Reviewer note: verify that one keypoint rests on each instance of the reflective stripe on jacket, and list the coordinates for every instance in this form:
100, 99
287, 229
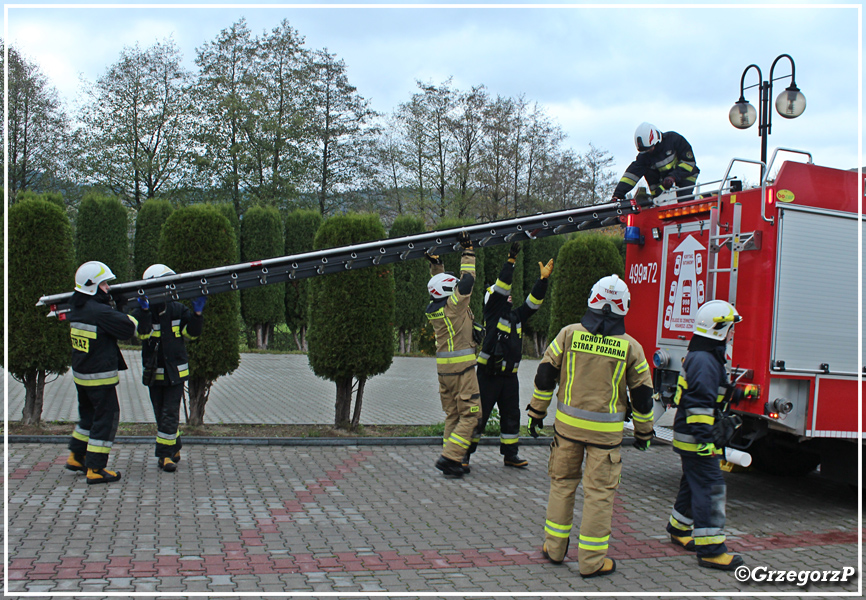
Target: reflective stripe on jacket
700, 388
502, 347
95, 328
595, 374
174, 323
672, 157
451, 319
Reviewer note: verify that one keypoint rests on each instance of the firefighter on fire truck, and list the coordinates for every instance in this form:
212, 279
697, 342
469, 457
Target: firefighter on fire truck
698, 516
664, 160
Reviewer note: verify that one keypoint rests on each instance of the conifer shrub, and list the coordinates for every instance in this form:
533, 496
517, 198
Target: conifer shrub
40, 263
262, 238
583, 260
201, 237
351, 334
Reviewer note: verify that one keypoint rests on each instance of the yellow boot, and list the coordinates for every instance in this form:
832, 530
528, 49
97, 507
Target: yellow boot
608, 566
167, 464
75, 462
686, 542
725, 562
102, 476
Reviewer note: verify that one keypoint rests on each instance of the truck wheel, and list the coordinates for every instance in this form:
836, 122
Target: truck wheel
774, 458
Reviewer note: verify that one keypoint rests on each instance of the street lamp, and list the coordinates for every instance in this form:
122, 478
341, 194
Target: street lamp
790, 104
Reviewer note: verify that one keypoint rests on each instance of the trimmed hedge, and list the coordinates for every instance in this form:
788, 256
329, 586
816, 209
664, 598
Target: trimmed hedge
582, 261
301, 228
148, 229
201, 237
40, 263
351, 315
410, 281
261, 238
102, 233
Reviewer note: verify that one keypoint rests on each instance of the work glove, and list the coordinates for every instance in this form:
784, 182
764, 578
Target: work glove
514, 251
143, 302
433, 258
198, 304
751, 391
463, 239
535, 423
547, 269
708, 450
669, 182
642, 445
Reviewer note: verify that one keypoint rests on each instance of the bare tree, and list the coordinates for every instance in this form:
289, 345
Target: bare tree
38, 128
277, 115
467, 127
599, 178
222, 96
135, 134
342, 133
495, 174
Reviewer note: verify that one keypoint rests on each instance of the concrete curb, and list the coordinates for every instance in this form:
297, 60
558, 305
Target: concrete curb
323, 441
253, 441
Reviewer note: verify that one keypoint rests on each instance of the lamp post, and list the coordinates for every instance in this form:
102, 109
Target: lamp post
790, 104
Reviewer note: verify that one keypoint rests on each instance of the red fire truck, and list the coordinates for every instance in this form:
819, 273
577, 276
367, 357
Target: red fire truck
786, 255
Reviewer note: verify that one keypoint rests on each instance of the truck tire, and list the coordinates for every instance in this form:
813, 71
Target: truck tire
774, 456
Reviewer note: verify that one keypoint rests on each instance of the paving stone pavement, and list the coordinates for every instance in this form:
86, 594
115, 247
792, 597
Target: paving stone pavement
276, 388
360, 520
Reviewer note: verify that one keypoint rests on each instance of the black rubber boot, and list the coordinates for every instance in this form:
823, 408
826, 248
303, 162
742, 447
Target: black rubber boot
450, 467
515, 461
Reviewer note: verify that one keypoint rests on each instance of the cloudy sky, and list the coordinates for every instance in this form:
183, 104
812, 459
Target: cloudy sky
598, 70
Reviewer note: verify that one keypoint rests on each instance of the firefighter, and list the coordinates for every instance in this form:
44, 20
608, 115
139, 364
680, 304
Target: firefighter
698, 515
95, 328
594, 362
162, 328
451, 319
500, 356
664, 160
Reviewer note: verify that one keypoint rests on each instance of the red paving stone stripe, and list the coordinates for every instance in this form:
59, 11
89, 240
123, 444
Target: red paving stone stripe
347, 562
626, 543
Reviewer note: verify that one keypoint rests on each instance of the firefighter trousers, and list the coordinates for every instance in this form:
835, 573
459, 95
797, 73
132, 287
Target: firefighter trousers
504, 391
166, 408
462, 405
699, 509
98, 416
601, 469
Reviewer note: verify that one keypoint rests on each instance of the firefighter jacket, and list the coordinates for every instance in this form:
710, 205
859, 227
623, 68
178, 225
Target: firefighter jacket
672, 157
163, 352
502, 347
95, 328
451, 319
594, 372
700, 390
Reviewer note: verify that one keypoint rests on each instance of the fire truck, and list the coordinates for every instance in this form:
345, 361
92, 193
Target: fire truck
785, 253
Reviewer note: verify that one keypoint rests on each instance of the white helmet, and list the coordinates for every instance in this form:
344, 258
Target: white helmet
90, 275
715, 318
157, 270
646, 136
441, 285
610, 291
